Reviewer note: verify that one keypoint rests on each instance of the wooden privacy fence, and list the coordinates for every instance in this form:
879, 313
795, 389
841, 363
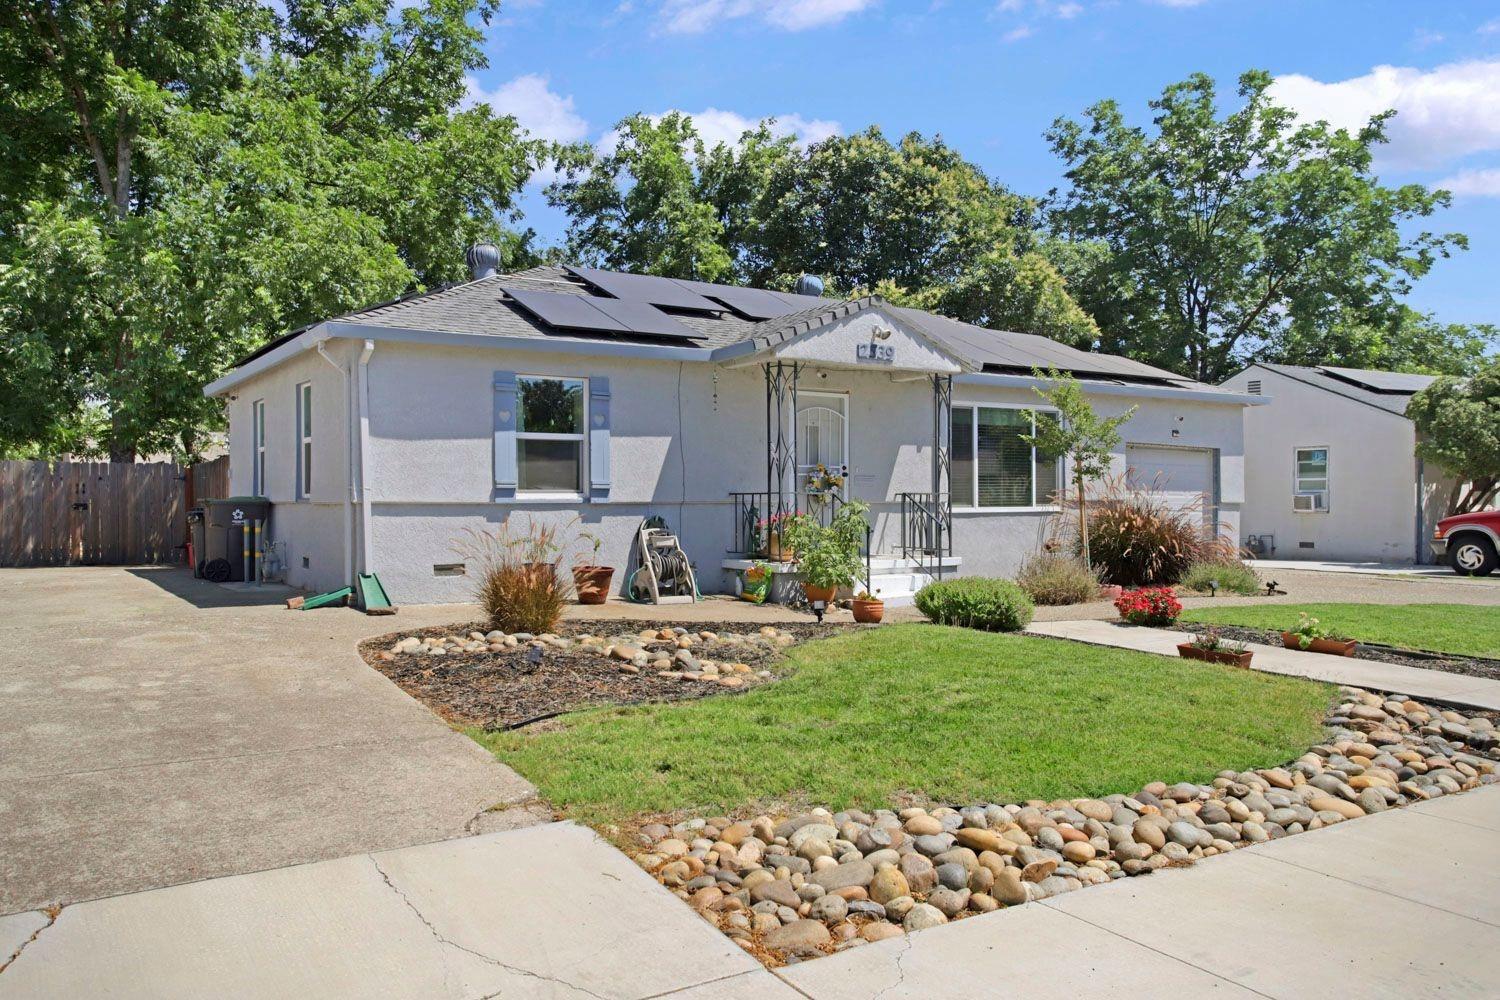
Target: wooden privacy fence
99, 513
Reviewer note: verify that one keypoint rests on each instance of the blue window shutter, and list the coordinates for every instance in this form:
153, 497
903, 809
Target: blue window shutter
505, 434
598, 438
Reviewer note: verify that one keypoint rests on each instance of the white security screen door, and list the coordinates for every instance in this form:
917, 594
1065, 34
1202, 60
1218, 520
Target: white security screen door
822, 435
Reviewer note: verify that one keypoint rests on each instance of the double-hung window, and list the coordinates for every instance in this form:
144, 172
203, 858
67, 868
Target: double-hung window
550, 424
258, 447
304, 441
1310, 480
993, 466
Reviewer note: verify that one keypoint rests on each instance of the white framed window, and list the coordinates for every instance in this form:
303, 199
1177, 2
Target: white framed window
993, 467
258, 448
304, 441
551, 421
1310, 480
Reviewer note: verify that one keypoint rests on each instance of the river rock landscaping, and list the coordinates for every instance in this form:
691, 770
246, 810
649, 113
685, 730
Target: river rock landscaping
789, 888
473, 676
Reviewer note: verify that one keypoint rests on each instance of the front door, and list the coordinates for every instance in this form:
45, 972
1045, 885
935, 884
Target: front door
822, 447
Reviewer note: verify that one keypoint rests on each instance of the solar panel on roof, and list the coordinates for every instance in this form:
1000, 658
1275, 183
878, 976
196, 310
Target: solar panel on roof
1398, 382
646, 288
599, 315
565, 312
642, 318
754, 303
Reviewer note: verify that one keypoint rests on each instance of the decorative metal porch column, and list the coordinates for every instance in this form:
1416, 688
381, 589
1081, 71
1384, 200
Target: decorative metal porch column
942, 466
781, 436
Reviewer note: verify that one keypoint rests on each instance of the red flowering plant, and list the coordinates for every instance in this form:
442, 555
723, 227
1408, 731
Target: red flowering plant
1149, 606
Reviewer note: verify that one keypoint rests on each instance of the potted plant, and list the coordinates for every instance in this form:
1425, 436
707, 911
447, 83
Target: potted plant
828, 555
1213, 648
868, 610
772, 538
1313, 637
590, 579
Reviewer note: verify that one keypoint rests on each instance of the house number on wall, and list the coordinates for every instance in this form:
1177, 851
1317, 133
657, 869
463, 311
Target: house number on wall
875, 352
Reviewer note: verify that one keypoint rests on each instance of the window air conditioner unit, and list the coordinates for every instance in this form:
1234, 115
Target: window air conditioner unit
1310, 502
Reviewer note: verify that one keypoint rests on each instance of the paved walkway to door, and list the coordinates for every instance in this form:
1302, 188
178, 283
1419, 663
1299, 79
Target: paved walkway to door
155, 729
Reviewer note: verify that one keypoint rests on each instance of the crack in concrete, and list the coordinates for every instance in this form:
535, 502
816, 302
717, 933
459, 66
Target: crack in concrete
906, 944
449, 942
52, 913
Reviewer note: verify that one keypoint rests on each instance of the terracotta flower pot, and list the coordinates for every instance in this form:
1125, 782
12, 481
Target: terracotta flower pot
1188, 651
868, 612
824, 594
1333, 647
592, 583
1110, 592
777, 552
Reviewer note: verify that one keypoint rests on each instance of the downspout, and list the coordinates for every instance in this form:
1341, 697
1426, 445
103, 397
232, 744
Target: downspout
364, 453
349, 494
1421, 513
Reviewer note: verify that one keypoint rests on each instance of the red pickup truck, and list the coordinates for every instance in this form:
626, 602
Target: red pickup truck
1469, 542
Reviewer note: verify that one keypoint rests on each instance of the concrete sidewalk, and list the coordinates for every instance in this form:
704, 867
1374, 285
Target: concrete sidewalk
1400, 904
1414, 681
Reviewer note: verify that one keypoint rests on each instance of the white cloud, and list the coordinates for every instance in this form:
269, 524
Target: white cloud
543, 113
1477, 183
1016, 34
1443, 114
1180, 3
689, 17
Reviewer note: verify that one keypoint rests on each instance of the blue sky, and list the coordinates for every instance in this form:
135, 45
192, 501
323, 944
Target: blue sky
991, 75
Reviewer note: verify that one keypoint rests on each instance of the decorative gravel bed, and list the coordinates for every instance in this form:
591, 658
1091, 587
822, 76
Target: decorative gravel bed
477, 677
1451, 663
788, 888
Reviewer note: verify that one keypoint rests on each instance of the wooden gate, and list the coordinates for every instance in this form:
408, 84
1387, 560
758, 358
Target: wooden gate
95, 513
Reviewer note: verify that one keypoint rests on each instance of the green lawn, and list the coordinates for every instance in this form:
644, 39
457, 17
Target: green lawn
951, 714
1450, 628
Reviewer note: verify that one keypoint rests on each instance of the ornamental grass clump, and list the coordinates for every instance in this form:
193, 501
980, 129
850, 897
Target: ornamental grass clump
1234, 577
1140, 538
520, 583
1057, 578
985, 603
1149, 606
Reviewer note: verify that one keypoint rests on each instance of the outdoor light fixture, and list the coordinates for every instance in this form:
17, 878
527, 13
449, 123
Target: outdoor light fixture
818, 607
1213, 588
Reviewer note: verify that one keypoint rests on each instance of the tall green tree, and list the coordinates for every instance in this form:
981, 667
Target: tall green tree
180, 179
1235, 236
910, 219
1458, 428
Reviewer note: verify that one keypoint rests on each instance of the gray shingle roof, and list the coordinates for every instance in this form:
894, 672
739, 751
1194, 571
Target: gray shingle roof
1358, 384
482, 308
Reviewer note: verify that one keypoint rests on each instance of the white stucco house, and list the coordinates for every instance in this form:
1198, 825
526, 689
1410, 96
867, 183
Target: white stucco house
1331, 468
381, 435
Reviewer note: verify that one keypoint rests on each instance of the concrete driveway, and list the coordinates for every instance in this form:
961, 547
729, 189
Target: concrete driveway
156, 730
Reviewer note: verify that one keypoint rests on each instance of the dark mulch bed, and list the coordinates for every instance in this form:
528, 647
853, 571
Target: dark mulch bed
1448, 663
505, 690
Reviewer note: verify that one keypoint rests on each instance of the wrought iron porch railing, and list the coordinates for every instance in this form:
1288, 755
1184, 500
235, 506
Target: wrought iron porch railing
759, 519
927, 530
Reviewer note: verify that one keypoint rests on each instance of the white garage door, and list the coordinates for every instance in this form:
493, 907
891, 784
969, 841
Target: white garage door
1184, 476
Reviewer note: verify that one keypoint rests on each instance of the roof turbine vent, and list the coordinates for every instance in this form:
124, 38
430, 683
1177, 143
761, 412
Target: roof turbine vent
483, 260
809, 284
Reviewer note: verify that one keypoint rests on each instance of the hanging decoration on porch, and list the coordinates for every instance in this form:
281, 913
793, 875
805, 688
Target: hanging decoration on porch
821, 483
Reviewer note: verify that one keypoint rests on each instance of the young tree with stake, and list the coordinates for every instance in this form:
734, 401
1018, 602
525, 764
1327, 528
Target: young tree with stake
1078, 434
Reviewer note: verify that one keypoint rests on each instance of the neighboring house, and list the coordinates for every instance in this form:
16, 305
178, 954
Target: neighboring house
382, 435
1331, 470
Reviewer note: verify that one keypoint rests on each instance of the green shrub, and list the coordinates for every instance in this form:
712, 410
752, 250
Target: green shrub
976, 602
1056, 578
1235, 577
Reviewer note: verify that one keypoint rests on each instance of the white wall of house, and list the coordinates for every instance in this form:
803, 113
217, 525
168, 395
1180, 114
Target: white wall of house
683, 437
1372, 502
